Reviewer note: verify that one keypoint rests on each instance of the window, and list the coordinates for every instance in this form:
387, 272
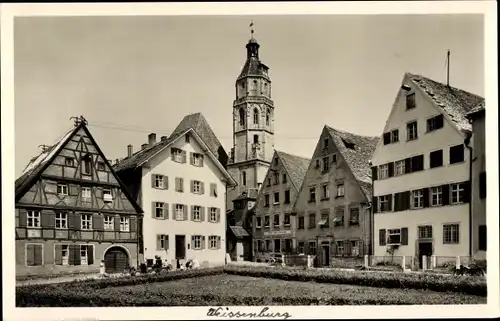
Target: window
34, 254
400, 168
276, 178
242, 116
276, 198
334, 158
266, 200
197, 187
212, 241
410, 101
425, 232
179, 212
159, 210
436, 158
457, 193
197, 159
64, 250
312, 220
213, 214
312, 248
197, 242
300, 247
325, 143
266, 221
260, 246
456, 154
61, 220
394, 236
340, 247
101, 166
86, 164
354, 219
436, 196
277, 245
255, 139
276, 220
244, 178
301, 223
415, 164
384, 203
482, 185
177, 155
325, 218
33, 219
179, 184
312, 194
411, 131
258, 222
108, 223
338, 220
317, 163
159, 181
268, 116
86, 193
325, 164
106, 194
286, 222
86, 221
62, 189
276, 161
69, 161
325, 192
163, 241
383, 171
85, 253
340, 190
196, 213
268, 245
451, 234
482, 237
418, 199
287, 197
187, 138
255, 116
284, 179
124, 224
434, 123
269, 181
391, 137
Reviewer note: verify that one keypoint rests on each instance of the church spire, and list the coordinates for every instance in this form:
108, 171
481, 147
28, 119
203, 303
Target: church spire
252, 46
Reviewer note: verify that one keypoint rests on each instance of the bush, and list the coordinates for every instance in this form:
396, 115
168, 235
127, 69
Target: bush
432, 282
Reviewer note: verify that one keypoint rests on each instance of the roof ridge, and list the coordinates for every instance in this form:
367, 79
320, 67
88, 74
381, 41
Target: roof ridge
351, 133
293, 155
443, 84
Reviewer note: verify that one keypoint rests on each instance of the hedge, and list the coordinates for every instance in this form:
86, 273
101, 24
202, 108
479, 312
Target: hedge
432, 282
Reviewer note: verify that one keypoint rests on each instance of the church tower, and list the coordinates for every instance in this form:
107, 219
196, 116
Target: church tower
253, 126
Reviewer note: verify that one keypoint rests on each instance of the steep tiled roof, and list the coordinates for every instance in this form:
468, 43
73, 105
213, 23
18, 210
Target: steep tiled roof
253, 67
296, 167
479, 108
456, 103
357, 152
251, 193
239, 231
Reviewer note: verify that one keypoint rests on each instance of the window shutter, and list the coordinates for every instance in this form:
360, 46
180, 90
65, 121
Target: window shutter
77, 260
58, 254
165, 211
202, 158
439, 121
158, 242
153, 209
153, 180
407, 200
397, 202
90, 254
218, 242
381, 237
181, 183
408, 165
98, 222
191, 159
467, 191
426, 197
218, 215
30, 254
165, 182
212, 189
74, 221
446, 194
404, 236
48, 219
192, 242
203, 242
202, 213
117, 223
374, 173
192, 186
177, 184
389, 202
391, 169
375, 204
133, 224
387, 138
38, 258
482, 185
166, 242
192, 212
184, 208
202, 187
23, 217
183, 156
73, 190
347, 248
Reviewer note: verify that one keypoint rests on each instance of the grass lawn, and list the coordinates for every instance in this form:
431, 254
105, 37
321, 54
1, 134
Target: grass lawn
274, 291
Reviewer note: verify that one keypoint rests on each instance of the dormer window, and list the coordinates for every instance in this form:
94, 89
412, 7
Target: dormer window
348, 144
410, 101
86, 164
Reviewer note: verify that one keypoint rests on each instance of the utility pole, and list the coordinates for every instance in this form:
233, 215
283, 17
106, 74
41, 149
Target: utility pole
448, 68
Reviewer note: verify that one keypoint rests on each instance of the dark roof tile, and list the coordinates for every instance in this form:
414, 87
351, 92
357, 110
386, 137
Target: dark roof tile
296, 167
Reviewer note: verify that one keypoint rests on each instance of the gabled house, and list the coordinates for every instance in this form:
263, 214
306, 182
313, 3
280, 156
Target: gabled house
273, 226
477, 118
72, 211
421, 173
181, 185
333, 206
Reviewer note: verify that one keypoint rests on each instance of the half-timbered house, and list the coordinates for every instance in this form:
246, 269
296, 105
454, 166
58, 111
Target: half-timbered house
72, 211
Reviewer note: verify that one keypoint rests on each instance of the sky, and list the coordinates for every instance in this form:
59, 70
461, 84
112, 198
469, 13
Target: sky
131, 76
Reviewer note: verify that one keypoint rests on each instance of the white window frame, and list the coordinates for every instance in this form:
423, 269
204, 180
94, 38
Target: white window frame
393, 232
105, 192
417, 199
61, 219
197, 242
340, 190
383, 199
159, 209
62, 189
412, 132
124, 224
35, 217
274, 198
212, 241
163, 241
393, 140
325, 192
340, 247
84, 259
312, 194
355, 246
177, 155
383, 171
86, 222
456, 190
425, 232
109, 222
326, 164
351, 220
454, 230
399, 168
179, 212
64, 258
197, 159
213, 214
289, 219
86, 192
196, 187
436, 193
196, 212
159, 181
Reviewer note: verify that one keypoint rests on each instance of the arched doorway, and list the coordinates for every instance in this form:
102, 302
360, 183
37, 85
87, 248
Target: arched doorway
116, 260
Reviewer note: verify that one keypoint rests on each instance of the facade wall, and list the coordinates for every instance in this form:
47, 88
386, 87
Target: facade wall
427, 142
163, 164
478, 167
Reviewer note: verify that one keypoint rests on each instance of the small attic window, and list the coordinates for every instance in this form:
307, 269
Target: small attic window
86, 164
187, 138
406, 87
348, 144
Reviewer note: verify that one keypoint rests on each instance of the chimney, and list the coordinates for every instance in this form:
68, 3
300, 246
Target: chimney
144, 146
130, 150
117, 161
152, 139
163, 138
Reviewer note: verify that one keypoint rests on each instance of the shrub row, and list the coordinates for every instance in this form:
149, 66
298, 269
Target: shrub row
432, 282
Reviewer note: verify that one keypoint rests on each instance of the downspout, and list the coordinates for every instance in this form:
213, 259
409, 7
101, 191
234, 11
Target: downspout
467, 142
371, 218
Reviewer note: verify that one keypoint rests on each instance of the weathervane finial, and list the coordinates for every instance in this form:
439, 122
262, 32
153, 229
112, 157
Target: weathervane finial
251, 28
